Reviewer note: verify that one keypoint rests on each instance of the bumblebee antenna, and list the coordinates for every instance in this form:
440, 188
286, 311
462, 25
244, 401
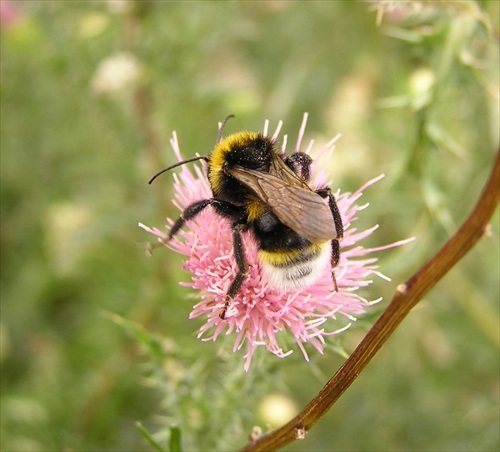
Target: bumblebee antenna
221, 128
176, 165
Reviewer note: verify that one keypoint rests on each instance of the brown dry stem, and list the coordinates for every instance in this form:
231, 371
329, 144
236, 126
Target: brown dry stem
405, 298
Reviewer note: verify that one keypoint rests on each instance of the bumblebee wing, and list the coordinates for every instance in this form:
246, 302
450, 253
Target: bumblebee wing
297, 207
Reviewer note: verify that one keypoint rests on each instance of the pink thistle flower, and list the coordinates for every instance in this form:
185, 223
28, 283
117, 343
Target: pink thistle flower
260, 315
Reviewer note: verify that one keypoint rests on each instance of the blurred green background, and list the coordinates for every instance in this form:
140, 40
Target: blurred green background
95, 336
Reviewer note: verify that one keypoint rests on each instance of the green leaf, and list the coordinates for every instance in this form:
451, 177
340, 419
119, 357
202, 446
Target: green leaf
174, 444
143, 337
149, 438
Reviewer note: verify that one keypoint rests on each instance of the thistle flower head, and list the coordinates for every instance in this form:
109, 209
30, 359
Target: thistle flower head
259, 315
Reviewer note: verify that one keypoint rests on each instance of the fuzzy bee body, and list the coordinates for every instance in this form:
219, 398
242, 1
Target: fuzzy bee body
297, 229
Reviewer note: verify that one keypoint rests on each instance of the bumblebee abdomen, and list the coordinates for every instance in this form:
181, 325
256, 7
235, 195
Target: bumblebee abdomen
294, 269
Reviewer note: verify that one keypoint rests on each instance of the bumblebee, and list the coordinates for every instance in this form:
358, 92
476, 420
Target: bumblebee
262, 191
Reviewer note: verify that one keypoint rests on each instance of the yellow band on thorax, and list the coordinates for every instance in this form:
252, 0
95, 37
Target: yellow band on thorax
219, 155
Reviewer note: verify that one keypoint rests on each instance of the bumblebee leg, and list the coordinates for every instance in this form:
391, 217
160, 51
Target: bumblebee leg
238, 215
223, 208
300, 164
337, 219
241, 262
335, 261
339, 227
188, 214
